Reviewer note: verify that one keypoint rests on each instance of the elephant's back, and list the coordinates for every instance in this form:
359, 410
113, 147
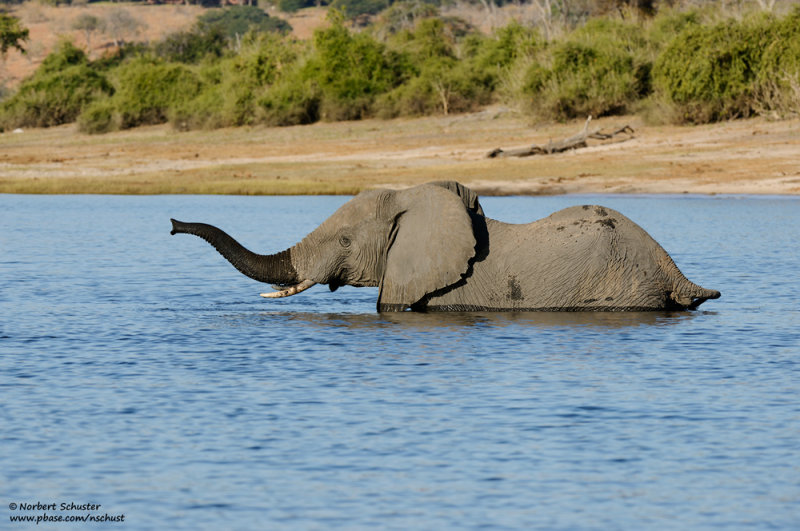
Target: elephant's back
578, 227
581, 257
589, 225
585, 214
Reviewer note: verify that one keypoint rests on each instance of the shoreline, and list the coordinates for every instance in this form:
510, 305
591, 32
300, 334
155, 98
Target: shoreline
743, 157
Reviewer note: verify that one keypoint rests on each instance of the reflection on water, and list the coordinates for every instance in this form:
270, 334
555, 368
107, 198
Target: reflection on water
143, 373
437, 320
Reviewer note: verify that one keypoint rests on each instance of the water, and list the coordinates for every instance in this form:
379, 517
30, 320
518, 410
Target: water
141, 372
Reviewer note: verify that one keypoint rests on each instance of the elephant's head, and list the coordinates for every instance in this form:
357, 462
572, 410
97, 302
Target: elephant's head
410, 242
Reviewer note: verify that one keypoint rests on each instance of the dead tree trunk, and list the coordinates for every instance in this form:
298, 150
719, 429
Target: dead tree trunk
574, 142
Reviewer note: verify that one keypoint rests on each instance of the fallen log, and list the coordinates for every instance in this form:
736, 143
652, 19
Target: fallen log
574, 142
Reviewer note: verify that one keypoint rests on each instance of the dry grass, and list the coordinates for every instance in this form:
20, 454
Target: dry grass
748, 156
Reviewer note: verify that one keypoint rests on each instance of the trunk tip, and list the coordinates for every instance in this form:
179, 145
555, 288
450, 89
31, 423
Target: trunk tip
175, 226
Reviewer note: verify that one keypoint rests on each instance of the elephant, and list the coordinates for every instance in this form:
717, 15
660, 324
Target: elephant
431, 248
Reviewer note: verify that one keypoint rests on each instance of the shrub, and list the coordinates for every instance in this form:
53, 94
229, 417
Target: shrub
402, 16
148, 89
233, 87
444, 77
496, 61
708, 73
291, 6
430, 38
355, 8
192, 46
293, 101
203, 112
66, 55
442, 86
594, 71
214, 32
58, 91
238, 20
777, 84
507, 46
12, 34
99, 117
350, 71
669, 23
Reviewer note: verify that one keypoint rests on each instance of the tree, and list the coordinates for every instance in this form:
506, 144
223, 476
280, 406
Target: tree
192, 46
355, 8
12, 34
122, 24
235, 21
291, 6
404, 16
88, 24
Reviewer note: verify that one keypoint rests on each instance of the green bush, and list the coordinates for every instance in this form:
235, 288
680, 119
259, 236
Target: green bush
402, 16
430, 38
777, 84
291, 6
99, 117
203, 112
147, 89
293, 101
59, 90
355, 8
216, 31
444, 77
669, 23
12, 34
507, 46
234, 86
694, 72
237, 20
351, 71
602, 68
442, 87
708, 73
66, 55
192, 46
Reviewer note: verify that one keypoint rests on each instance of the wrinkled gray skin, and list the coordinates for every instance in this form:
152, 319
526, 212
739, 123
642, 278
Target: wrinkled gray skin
430, 248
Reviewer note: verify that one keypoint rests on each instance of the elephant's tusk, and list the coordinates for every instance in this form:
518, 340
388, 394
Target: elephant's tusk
291, 290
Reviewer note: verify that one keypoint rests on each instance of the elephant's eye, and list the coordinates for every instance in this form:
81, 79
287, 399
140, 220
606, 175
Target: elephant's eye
344, 241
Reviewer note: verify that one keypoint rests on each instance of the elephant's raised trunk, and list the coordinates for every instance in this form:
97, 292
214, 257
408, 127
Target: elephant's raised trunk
273, 269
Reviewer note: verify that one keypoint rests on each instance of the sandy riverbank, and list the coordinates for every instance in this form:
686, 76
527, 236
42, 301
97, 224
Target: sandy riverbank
740, 157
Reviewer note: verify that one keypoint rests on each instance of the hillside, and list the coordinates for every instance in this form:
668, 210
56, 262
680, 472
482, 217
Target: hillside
48, 24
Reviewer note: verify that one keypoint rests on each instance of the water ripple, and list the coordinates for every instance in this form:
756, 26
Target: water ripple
161, 386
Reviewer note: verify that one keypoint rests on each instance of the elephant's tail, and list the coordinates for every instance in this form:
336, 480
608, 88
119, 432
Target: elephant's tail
689, 295
684, 293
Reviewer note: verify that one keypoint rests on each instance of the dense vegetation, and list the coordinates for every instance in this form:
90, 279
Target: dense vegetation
239, 67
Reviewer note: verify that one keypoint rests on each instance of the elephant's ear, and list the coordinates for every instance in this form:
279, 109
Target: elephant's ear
467, 195
430, 248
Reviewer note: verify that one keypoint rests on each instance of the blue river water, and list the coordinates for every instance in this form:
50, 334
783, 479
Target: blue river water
140, 372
